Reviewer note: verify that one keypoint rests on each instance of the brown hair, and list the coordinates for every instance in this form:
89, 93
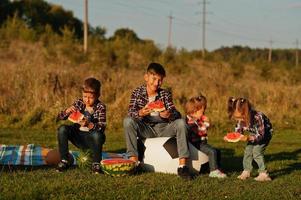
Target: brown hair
240, 107
195, 103
156, 68
92, 85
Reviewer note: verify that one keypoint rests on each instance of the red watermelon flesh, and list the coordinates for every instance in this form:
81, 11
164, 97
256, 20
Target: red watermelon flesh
156, 106
76, 117
234, 137
116, 161
118, 166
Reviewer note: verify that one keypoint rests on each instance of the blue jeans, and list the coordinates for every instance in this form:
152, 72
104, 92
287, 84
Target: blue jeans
214, 155
92, 140
254, 152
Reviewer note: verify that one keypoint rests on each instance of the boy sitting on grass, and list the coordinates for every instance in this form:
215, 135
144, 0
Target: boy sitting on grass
89, 133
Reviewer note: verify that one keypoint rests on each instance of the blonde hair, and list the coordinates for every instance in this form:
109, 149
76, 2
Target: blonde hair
195, 103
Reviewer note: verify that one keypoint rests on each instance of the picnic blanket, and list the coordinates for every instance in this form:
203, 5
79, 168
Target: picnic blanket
34, 155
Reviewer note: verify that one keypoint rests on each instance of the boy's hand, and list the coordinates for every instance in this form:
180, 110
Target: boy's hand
90, 125
71, 109
165, 114
84, 122
144, 111
251, 138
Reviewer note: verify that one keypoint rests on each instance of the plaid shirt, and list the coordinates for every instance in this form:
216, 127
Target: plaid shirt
197, 128
260, 127
98, 116
139, 99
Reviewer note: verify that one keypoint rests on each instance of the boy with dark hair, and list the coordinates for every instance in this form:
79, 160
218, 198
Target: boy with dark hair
143, 122
89, 132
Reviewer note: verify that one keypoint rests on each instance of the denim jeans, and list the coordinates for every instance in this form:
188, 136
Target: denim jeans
214, 155
134, 128
92, 140
254, 152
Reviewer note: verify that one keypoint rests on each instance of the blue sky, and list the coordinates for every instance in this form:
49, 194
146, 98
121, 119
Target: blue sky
251, 23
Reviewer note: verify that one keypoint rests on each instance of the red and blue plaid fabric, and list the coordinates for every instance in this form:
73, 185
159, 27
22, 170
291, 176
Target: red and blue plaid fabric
30, 155
33, 155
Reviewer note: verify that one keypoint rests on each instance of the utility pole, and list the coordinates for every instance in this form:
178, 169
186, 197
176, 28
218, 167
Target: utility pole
204, 29
86, 26
270, 51
170, 17
297, 52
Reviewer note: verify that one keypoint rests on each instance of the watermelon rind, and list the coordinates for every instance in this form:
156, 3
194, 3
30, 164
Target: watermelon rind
118, 169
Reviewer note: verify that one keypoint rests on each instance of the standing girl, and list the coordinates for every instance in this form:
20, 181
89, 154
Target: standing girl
260, 129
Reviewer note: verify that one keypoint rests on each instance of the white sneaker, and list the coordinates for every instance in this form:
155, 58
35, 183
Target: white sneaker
217, 174
263, 176
244, 175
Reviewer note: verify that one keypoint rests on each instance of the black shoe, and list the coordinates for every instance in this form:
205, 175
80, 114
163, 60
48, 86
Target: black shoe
139, 169
183, 172
63, 166
96, 169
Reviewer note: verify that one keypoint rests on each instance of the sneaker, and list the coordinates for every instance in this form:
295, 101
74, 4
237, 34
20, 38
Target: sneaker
217, 174
183, 172
96, 169
244, 175
63, 166
263, 176
139, 168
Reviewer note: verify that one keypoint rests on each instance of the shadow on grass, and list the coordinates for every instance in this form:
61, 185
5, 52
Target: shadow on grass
285, 156
13, 168
231, 163
122, 150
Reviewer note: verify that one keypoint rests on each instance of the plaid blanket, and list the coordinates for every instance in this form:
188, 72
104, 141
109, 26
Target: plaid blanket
33, 155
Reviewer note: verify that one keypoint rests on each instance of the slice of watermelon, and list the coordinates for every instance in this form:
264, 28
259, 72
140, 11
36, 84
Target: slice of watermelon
76, 117
118, 166
156, 106
234, 137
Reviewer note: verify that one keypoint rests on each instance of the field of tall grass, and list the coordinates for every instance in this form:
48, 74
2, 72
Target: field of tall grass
37, 81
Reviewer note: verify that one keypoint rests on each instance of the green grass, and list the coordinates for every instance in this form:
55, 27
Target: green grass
283, 158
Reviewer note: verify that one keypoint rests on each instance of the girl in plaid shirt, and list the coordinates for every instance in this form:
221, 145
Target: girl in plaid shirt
198, 125
89, 133
260, 129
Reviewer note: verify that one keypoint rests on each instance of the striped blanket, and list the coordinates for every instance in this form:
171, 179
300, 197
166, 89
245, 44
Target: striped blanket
34, 155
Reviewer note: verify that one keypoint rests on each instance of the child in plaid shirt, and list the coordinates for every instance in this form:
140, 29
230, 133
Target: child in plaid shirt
90, 132
142, 122
198, 125
260, 129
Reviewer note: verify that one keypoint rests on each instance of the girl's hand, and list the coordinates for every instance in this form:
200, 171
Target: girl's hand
71, 109
165, 114
251, 138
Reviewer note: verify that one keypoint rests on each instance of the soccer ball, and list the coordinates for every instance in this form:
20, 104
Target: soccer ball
161, 155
